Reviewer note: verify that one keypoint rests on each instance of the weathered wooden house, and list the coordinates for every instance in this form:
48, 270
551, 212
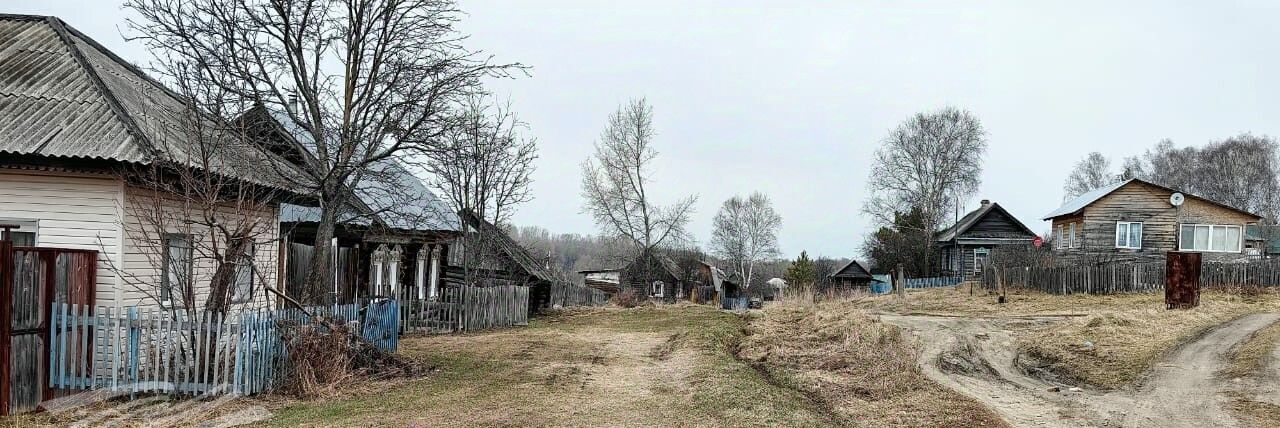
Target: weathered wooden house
713, 285
653, 275
851, 276
1136, 220
964, 247
391, 241
503, 262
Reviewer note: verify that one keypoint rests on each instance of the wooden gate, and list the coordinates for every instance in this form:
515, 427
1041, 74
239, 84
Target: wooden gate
31, 279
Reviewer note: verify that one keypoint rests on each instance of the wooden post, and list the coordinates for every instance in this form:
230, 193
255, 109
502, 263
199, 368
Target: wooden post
902, 283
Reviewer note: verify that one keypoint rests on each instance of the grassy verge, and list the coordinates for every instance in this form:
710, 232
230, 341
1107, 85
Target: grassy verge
1251, 356
1106, 341
863, 371
1253, 413
657, 366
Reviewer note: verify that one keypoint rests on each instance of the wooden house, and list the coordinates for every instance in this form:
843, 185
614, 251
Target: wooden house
713, 285
653, 275
79, 126
391, 240
965, 246
852, 275
1136, 220
504, 262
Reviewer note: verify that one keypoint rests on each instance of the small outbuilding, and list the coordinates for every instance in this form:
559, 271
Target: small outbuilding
852, 276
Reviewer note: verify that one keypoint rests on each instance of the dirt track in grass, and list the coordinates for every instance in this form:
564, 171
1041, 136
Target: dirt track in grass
977, 356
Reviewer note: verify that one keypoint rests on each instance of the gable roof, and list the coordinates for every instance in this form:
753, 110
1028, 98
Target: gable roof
517, 253
388, 192
975, 216
1074, 206
63, 95
853, 269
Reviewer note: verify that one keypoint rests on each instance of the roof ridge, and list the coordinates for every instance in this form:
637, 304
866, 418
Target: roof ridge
64, 34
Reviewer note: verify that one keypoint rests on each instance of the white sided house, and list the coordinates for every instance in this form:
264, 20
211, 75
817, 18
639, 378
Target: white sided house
77, 125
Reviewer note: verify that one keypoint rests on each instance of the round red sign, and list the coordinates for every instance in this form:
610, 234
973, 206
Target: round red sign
1037, 242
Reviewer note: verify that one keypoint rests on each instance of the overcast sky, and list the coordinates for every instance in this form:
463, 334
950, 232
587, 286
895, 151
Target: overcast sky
792, 101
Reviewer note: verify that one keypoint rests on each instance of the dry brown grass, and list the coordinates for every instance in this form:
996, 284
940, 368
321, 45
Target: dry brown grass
864, 371
1253, 413
1251, 356
1128, 332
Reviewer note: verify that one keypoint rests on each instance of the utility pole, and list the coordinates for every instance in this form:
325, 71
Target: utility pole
902, 283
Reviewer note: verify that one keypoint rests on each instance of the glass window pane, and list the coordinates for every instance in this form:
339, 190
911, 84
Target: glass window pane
1135, 235
1219, 238
1202, 238
1122, 234
1188, 238
1233, 238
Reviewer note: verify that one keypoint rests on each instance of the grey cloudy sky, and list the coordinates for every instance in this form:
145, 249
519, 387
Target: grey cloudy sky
792, 98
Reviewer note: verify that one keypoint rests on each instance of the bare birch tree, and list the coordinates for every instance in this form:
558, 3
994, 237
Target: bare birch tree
365, 80
1240, 171
930, 162
1090, 173
485, 166
745, 232
616, 180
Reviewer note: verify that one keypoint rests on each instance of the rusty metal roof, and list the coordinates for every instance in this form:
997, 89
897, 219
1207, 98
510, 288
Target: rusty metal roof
64, 95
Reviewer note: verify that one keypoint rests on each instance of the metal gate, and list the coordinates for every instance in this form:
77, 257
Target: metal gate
31, 279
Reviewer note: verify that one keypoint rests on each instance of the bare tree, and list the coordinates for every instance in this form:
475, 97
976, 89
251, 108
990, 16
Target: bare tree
364, 80
931, 161
745, 232
615, 184
1240, 171
484, 166
1090, 173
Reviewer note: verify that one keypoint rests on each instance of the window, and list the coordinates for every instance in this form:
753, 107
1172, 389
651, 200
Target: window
658, 286
1062, 237
1209, 237
1071, 239
177, 267
242, 290
25, 234
980, 256
1129, 234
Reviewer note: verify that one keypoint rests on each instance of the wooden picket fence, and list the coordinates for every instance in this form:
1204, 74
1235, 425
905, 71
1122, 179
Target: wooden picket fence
939, 281
458, 309
1111, 278
151, 350
566, 295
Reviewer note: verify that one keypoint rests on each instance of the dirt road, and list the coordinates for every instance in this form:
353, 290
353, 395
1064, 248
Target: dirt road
976, 356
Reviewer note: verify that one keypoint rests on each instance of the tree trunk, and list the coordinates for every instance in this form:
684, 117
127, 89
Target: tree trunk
223, 281
319, 271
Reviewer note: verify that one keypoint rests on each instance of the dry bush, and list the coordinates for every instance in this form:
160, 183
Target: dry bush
628, 298
322, 355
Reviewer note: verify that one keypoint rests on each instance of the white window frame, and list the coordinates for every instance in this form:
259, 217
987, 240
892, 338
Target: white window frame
977, 267
25, 225
1062, 236
1182, 246
1071, 239
656, 288
1128, 228
246, 262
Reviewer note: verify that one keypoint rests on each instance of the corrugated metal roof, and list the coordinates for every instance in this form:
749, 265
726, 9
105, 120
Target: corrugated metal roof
64, 95
388, 190
1077, 204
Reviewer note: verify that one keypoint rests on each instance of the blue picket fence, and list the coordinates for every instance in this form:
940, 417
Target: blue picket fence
162, 351
881, 284
938, 281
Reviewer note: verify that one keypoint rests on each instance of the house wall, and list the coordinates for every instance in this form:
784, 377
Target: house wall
72, 210
149, 216
1160, 220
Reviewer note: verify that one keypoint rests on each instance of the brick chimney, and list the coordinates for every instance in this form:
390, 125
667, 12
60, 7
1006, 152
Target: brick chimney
986, 202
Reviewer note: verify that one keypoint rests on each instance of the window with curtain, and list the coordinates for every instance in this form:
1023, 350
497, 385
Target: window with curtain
1072, 237
177, 268
1129, 234
1210, 238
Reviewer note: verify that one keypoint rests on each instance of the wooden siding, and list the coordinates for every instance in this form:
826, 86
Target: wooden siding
72, 211
143, 251
996, 225
1139, 202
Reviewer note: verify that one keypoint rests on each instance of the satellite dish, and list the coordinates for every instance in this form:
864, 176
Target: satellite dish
1176, 199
